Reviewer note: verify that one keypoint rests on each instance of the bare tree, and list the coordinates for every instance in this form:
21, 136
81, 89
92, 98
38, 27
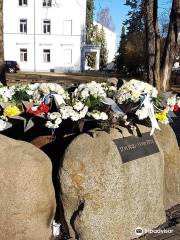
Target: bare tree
104, 18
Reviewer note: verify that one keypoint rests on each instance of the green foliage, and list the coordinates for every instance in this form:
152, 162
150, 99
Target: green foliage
89, 20
93, 102
20, 95
120, 60
131, 54
91, 60
103, 51
135, 20
94, 36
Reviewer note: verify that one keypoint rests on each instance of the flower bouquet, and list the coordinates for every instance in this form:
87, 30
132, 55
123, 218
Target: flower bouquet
143, 102
90, 103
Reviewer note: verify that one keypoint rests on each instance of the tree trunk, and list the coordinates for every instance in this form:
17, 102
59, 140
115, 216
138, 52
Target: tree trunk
170, 49
150, 40
153, 43
157, 79
159, 70
1, 33
2, 66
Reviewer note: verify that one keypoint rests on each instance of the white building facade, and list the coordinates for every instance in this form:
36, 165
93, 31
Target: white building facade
44, 35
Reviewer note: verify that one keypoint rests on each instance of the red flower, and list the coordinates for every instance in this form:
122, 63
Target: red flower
43, 108
40, 109
176, 107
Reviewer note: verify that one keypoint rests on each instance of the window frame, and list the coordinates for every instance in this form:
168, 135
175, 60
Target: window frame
23, 25
22, 3
64, 27
46, 55
47, 3
71, 56
45, 26
23, 55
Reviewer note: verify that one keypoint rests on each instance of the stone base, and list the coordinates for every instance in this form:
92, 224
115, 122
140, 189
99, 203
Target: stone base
27, 202
168, 142
105, 198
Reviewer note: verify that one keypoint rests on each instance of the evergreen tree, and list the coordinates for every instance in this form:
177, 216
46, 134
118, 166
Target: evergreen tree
121, 52
103, 50
131, 56
94, 36
135, 20
89, 20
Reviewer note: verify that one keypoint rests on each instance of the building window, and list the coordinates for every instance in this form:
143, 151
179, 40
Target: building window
68, 27
23, 55
23, 25
46, 26
47, 3
46, 55
22, 2
67, 56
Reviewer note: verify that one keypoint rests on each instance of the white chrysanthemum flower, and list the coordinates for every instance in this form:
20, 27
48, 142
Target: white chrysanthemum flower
54, 115
78, 106
59, 90
58, 121
44, 88
154, 93
136, 95
66, 111
33, 86
112, 89
74, 116
54, 120
51, 125
90, 89
6, 93
52, 87
171, 101
142, 113
134, 90
98, 115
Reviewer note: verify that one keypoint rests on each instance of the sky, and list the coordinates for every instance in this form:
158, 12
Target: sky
119, 11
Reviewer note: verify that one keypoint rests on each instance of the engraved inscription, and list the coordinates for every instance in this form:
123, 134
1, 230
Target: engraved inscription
132, 147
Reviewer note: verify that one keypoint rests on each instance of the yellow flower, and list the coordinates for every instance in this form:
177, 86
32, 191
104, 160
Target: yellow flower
162, 117
11, 111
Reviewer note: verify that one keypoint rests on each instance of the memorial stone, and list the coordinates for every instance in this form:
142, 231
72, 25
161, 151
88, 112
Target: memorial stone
168, 142
106, 196
27, 201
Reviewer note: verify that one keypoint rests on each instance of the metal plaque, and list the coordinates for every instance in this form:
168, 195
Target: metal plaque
131, 148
